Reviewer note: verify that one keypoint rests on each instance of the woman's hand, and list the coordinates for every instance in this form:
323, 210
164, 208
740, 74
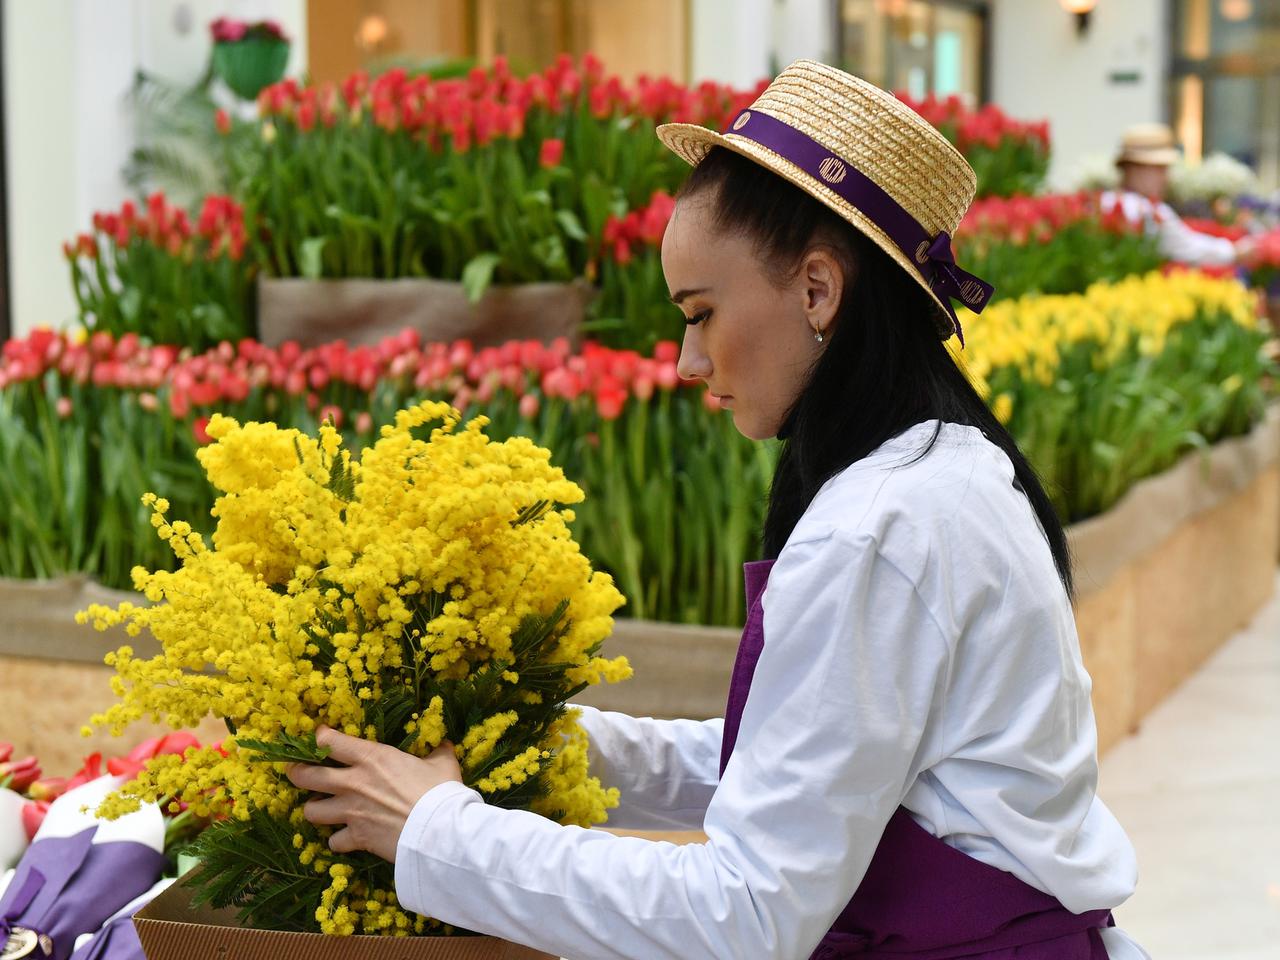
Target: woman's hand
373, 793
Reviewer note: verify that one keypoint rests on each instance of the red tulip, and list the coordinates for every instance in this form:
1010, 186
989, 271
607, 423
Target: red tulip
200, 430
33, 814
132, 764
47, 788
20, 773
551, 153
222, 121
609, 403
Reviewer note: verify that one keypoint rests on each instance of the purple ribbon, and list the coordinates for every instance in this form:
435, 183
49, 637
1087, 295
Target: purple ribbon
20, 901
932, 255
66, 886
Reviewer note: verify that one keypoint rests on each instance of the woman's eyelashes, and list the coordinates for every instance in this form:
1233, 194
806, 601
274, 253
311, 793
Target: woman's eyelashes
697, 318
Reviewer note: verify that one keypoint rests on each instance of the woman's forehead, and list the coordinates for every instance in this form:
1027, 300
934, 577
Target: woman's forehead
692, 245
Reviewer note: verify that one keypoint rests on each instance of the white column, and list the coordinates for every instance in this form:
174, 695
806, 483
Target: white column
69, 65
42, 146
804, 29
732, 40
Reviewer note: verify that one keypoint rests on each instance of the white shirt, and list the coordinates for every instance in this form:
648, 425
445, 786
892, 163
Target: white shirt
1177, 241
919, 651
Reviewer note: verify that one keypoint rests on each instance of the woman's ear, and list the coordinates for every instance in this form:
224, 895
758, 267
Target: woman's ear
822, 280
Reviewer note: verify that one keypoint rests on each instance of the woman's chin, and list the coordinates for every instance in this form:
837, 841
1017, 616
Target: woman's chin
751, 428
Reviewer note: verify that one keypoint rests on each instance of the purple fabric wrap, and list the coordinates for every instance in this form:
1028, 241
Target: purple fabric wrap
66, 886
921, 899
932, 255
116, 940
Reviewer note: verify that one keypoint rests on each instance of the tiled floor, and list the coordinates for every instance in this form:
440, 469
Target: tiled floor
1198, 789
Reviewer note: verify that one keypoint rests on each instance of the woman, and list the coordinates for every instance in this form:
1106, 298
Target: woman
913, 771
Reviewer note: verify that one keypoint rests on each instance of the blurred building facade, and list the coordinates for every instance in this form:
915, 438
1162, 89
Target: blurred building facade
1211, 68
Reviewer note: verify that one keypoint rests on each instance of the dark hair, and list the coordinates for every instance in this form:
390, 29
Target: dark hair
884, 368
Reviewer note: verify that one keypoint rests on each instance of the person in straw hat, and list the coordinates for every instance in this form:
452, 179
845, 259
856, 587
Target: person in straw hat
1146, 153
907, 762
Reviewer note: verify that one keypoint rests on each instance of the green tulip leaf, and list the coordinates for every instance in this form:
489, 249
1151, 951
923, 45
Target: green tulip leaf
311, 257
571, 225
478, 274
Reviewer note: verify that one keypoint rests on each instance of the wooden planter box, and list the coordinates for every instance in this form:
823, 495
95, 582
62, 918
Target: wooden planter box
1184, 560
364, 311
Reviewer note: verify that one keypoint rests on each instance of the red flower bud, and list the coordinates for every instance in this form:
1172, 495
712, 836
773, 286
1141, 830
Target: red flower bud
200, 429
331, 412
551, 153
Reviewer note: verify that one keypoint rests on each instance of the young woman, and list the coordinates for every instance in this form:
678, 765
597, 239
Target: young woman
907, 764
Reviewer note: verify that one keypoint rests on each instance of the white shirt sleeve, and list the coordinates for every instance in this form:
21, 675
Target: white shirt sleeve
852, 671
1177, 241
1185, 245
666, 770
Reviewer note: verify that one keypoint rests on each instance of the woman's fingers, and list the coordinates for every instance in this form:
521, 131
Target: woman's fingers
307, 776
344, 749
328, 811
344, 841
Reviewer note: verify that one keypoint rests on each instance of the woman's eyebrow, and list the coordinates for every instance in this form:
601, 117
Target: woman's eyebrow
688, 292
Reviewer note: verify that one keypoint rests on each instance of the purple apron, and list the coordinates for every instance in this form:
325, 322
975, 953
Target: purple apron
921, 898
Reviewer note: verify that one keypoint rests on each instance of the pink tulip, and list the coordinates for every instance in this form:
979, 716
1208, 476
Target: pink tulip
331, 412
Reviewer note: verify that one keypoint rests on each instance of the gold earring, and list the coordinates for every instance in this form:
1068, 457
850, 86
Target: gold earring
818, 335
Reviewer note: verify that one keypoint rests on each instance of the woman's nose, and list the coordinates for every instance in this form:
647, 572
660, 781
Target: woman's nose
694, 364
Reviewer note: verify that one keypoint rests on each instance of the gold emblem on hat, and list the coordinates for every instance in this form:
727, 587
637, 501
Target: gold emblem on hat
922, 251
741, 121
971, 292
832, 170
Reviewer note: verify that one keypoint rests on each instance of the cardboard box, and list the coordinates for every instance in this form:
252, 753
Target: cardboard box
171, 929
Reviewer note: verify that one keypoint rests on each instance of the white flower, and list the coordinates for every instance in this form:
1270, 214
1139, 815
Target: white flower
1095, 171
1219, 175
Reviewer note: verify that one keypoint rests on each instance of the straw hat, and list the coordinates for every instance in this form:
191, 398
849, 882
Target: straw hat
1148, 143
867, 156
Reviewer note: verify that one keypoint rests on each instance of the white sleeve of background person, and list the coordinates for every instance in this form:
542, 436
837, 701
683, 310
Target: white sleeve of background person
1180, 242
830, 739
665, 770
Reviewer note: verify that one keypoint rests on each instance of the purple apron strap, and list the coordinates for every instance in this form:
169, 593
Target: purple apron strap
744, 666
920, 898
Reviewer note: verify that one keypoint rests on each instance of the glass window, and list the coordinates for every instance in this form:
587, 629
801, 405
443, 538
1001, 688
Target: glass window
1225, 83
920, 46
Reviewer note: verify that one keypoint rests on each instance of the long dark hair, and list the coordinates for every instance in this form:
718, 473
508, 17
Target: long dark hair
884, 369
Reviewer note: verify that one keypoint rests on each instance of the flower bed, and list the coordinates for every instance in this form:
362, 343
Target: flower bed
1099, 389
484, 179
